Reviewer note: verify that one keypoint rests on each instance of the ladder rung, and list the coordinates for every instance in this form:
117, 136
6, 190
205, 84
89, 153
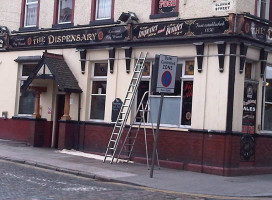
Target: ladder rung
110, 148
115, 133
108, 155
127, 98
112, 140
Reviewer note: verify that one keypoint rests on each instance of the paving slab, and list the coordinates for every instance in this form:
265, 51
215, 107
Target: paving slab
90, 165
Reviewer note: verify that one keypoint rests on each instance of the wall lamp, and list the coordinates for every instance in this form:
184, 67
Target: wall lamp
128, 17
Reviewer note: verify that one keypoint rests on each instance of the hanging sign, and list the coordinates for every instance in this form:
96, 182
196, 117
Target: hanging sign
249, 108
166, 73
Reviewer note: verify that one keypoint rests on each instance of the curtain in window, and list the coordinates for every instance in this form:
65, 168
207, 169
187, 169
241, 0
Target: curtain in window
103, 10
31, 15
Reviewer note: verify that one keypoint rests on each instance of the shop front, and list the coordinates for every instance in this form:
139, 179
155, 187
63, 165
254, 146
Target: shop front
216, 121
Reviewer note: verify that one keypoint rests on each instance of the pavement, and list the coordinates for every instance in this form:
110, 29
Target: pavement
90, 165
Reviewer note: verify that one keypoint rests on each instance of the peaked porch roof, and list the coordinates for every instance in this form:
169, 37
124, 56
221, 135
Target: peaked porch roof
59, 71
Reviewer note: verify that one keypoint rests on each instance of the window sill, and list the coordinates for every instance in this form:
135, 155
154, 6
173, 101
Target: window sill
65, 25
164, 15
102, 22
27, 29
27, 117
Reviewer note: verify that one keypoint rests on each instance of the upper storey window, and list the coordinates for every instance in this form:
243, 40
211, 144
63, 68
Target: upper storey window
63, 13
263, 7
30, 12
65, 9
103, 9
164, 8
102, 12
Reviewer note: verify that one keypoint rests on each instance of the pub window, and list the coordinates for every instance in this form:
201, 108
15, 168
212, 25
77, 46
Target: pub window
102, 10
249, 99
99, 89
164, 8
64, 12
177, 107
30, 13
263, 7
26, 99
267, 99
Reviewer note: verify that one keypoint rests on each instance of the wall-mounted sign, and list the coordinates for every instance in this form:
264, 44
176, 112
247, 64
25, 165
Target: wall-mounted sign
69, 37
223, 5
181, 28
257, 30
165, 6
249, 108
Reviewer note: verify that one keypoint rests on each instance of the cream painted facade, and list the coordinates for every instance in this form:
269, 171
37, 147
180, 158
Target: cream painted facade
10, 15
210, 86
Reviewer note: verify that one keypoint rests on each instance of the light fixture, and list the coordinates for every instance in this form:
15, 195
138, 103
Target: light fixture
128, 17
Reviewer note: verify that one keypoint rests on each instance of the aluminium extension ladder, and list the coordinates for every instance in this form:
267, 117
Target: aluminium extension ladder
125, 108
128, 144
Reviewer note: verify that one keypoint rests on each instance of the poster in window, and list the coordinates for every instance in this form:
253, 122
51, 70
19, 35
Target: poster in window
187, 103
249, 108
165, 6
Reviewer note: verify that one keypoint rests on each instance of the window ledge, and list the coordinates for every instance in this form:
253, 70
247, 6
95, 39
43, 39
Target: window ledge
65, 25
164, 15
25, 117
102, 22
27, 29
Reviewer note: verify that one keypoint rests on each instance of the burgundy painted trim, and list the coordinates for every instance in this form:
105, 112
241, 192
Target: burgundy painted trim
22, 13
256, 7
154, 6
270, 11
73, 11
38, 14
93, 9
112, 9
55, 15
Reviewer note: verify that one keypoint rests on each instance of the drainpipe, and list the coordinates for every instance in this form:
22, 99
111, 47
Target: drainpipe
78, 120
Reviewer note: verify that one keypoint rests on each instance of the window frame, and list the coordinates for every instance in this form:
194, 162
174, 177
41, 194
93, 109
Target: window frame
265, 102
56, 13
97, 78
183, 78
23, 14
94, 12
19, 83
156, 15
268, 13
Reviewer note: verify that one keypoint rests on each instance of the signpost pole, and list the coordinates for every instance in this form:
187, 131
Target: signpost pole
156, 136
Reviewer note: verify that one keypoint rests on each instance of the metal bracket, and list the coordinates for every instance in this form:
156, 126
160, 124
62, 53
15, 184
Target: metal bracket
83, 53
221, 46
128, 52
243, 54
199, 51
263, 59
111, 58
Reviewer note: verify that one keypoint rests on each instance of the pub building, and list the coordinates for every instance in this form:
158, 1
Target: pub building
59, 85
